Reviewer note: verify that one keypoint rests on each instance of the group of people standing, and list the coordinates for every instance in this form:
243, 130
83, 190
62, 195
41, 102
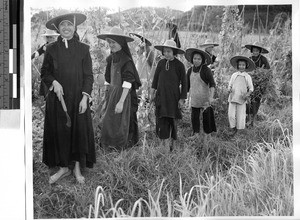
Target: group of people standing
67, 71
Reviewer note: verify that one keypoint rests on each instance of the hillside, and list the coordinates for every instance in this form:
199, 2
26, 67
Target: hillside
193, 19
147, 15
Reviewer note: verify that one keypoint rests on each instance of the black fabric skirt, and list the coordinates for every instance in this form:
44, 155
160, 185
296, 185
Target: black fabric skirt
209, 124
63, 145
166, 127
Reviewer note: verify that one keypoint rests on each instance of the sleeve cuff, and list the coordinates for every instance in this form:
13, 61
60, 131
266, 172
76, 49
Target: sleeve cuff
88, 95
126, 85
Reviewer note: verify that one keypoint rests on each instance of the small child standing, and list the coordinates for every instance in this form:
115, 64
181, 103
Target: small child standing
240, 87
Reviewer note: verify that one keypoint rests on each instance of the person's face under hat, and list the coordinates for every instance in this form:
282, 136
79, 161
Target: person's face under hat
66, 29
255, 51
168, 53
113, 45
197, 59
242, 64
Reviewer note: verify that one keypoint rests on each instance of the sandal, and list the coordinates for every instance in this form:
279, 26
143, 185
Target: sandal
54, 178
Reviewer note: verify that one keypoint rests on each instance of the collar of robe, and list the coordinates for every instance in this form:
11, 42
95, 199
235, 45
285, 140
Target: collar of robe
167, 63
66, 41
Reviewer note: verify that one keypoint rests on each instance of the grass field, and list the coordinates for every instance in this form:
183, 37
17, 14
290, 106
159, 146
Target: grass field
214, 175
250, 175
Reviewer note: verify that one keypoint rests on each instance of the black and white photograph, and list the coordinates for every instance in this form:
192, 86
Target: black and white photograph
161, 109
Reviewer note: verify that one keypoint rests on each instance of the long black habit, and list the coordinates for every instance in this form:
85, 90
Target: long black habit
72, 68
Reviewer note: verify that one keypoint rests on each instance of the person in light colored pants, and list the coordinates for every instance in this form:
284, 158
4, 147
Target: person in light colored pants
237, 115
240, 87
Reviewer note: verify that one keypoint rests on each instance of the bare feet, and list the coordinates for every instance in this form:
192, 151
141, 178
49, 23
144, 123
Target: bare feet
233, 131
194, 136
77, 173
61, 173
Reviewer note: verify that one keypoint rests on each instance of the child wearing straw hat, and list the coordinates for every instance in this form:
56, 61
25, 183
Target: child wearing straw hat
240, 87
67, 71
260, 62
169, 97
50, 36
257, 50
119, 124
208, 47
200, 85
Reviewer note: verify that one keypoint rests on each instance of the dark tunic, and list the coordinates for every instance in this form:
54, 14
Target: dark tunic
167, 83
72, 68
260, 62
120, 130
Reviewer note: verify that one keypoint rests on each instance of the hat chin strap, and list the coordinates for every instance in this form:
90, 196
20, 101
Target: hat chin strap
55, 27
66, 42
63, 38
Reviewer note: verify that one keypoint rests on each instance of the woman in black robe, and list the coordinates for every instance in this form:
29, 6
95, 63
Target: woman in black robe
67, 71
119, 125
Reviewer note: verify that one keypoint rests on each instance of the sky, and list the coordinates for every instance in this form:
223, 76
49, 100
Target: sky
114, 5
183, 5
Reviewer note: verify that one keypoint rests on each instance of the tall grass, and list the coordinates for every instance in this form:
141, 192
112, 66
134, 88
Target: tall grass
209, 176
249, 176
260, 185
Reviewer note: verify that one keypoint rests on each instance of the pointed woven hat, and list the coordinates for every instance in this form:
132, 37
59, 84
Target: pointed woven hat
258, 45
170, 44
116, 34
209, 43
250, 64
74, 18
49, 32
190, 51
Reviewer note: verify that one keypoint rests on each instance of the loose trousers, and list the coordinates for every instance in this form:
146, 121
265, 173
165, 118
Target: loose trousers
237, 115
